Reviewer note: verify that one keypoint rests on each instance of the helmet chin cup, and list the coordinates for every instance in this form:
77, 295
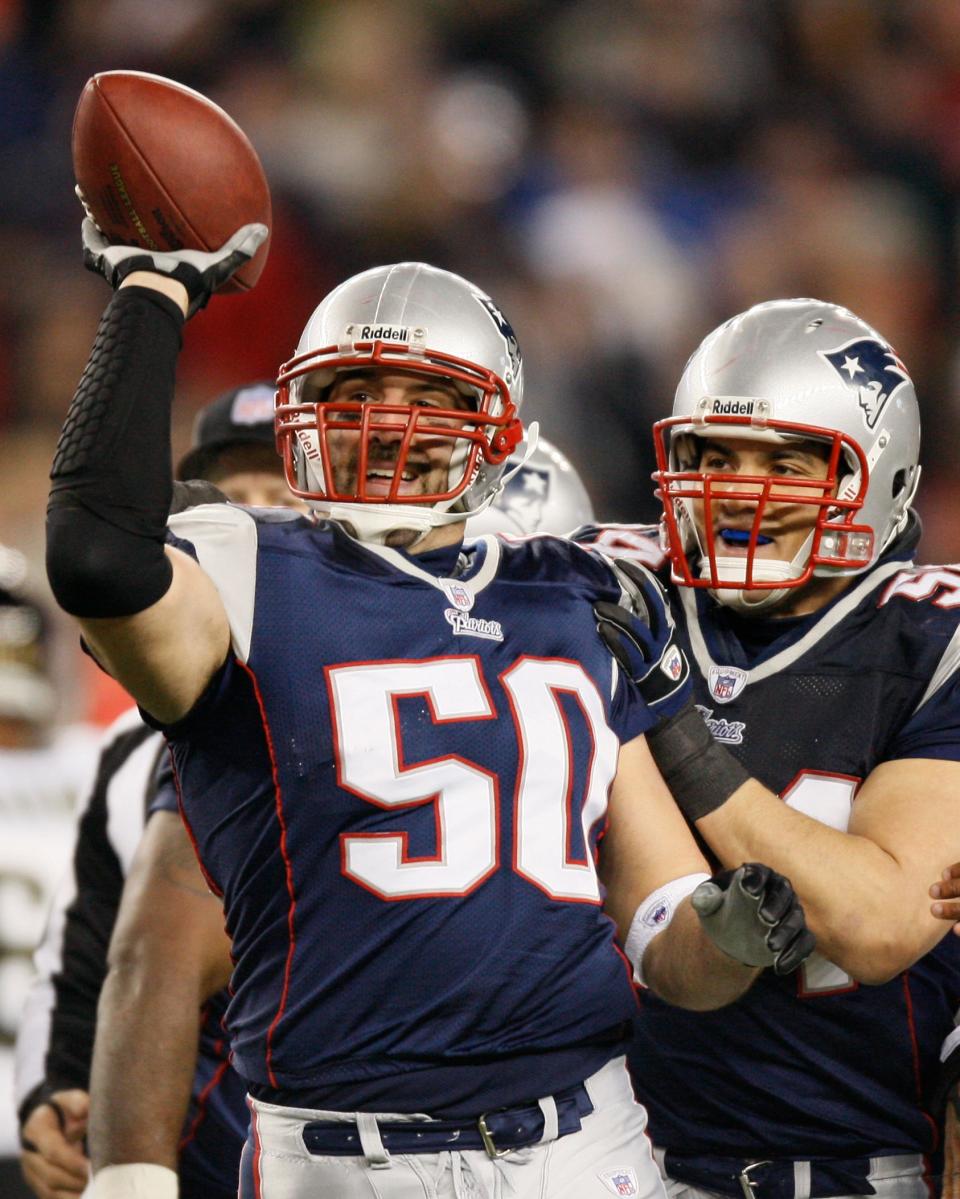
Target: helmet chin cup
374, 524
731, 574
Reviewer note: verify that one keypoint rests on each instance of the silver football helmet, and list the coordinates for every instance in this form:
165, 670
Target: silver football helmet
784, 371
408, 317
543, 495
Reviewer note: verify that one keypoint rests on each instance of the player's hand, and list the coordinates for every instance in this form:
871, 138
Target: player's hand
946, 896
52, 1159
640, 633
201, 272
754, 916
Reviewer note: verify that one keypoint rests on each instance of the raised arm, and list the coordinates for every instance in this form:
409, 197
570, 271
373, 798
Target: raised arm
148, 612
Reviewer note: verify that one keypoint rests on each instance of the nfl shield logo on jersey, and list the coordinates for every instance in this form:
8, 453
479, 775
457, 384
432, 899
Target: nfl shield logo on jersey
621, 1182
726, 682
460, 596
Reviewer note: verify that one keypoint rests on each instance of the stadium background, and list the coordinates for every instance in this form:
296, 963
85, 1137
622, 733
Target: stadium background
620, 175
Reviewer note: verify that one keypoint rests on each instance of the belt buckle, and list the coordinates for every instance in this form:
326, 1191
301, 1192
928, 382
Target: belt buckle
487, 1137
747, 1184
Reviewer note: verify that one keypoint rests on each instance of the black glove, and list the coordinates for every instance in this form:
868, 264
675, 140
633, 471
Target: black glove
754, 916
640, 633
201, 272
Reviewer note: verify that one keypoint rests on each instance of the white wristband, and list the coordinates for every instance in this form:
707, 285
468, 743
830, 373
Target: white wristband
138, 1180
653, 916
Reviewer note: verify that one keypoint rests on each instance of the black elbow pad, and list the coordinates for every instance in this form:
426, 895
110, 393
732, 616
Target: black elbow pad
97, 569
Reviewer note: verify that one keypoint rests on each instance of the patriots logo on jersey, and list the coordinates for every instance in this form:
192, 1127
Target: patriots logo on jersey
730, 732
872, 369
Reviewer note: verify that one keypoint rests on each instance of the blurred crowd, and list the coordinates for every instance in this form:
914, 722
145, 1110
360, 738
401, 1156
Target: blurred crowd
619, 174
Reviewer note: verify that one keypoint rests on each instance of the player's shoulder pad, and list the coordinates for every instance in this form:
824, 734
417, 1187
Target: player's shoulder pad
922, 604
545, 559
635, 543
925, 593
224, 539
639, 587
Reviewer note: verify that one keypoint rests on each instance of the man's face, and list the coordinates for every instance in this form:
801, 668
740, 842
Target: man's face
784, 526
426, 469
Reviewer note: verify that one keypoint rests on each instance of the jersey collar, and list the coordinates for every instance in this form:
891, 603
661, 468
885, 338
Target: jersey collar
478, 566
701, 630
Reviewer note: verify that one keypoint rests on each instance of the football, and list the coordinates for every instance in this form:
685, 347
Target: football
160, 166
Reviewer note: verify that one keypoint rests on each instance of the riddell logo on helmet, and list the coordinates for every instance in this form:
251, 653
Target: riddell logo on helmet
398, 333
732, 407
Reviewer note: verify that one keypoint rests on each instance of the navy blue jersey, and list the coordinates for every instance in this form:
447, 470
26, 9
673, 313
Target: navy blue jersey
813, 1064
397, 781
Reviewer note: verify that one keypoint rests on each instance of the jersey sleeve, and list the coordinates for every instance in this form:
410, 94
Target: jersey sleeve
635, 543
933, 730
165, 797
223, 539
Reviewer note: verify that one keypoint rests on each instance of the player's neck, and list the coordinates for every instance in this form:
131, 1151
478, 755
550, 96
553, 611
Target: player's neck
811, 597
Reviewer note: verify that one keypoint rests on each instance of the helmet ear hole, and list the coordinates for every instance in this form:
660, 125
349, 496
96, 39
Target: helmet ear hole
899, 483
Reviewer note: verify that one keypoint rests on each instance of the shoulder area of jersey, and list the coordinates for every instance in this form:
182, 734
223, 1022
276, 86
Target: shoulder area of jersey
228, 515
543, 558
927, 595
635, 543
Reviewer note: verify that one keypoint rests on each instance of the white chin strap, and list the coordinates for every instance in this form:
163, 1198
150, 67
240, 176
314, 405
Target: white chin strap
374, 523
765, 570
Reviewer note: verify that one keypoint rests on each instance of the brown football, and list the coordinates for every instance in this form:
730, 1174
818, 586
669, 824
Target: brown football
162, 167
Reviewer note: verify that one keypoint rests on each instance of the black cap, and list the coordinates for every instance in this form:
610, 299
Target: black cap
242, 416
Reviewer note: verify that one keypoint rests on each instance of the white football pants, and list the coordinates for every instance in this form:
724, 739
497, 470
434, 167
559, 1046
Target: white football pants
891, 1177
610, 1155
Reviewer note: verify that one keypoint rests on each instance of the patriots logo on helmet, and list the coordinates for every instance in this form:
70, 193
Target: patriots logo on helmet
870, 368
506, 332
524, 497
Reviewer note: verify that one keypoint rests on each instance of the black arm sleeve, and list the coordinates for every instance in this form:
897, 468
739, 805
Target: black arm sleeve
112, 477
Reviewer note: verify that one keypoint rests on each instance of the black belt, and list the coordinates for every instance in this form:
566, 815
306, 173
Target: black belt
498, 1132
751, 1178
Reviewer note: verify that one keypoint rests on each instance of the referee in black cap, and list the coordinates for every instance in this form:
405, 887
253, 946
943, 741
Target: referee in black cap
233, 448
